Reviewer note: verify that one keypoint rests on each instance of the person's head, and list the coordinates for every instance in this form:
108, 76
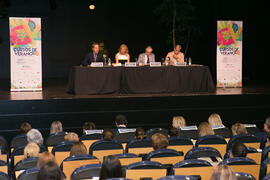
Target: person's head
238, 150
177, 49
34, 136
111, 168
140, 133
205, 129
108, 134
88, 126
31, 150
173, 132
159, 141
148, 50
78, 148
56, 127
73, 137
178, 122
266, 127
223, 172
44, 158
214, 120
95, 48
238, 128
50, 171
121, 120
25, 127
123, 49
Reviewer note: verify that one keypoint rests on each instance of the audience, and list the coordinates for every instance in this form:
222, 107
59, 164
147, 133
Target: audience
50, 171
88, 126
214, 120
266, 128
44, 158
31, 150
108, 134
25, 127
72, 137
178, 122
238, 150
173, 132
56, 127
223, 172
238, 129
140, 133
159, 141
34, 136
78, 148
111, 168
121, 121
205, 129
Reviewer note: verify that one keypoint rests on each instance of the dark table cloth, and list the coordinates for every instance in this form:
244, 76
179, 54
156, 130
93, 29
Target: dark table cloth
165, 79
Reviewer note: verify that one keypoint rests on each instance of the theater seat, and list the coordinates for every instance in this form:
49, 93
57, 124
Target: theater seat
267, 177
244, 176
19, 140
29, 174
4, 155
237, 161
80, 157
89, 139
3, 143
265, 168
265, 153
25, 164
248, 139
56, 138
4, 176
181, 144
86, 172
124, 135
153, 131
62, 151
202, 152
145, 165
4, 167
165, 156
178, 177
139, 147
128, 158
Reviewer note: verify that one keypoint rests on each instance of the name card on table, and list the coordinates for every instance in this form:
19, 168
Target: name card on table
250, 125
117, 65
130, 64
218, 127
186, 128
180, 64
94, 131
155, 64
126, 130
96, 64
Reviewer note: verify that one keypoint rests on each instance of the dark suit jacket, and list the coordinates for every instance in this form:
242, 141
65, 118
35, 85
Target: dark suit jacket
90, 58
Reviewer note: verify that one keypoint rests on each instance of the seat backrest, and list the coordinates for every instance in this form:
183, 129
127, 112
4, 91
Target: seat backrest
165, 156
138, 146
56, 138
124, 135
86, 172
3, 143
77, 158
244, 176
4, 176
265, 168
199, 152
193, 134
177, 177
237, 161
62, 151
153, 131
19, 140
248, 139
181, 144
26, 164
4, 167
265, 153
267, 177
128, 158
29, 174
91, 137
224, 132
192, 163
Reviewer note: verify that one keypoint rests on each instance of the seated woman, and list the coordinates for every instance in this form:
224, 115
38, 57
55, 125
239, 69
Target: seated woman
122, 56
205, 129
73, 137
31, 150
44, 158
34, 136
56, 127
159, 141
238, 128
111, 168
215, 122
50, 171
140, 133
223, 172
178, 122
78, 148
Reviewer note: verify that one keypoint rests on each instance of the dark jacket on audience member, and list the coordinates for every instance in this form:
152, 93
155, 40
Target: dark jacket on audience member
89, 58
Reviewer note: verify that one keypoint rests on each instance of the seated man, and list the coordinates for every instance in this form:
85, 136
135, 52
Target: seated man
94, 56
146, 57
262, 136
238, 150
175, 56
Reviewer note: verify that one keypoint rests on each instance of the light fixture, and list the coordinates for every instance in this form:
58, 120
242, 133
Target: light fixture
92, 7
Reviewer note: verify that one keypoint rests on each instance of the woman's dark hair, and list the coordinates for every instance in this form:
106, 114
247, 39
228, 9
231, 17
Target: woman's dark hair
140, 133
50, 171
25, 127
111, 168
173, 132
108, 134
89, 126
239, 150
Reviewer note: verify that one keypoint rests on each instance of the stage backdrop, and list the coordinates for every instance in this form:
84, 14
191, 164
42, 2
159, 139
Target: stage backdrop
25, 54
229, 53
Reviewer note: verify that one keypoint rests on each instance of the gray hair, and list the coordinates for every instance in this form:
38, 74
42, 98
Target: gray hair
34, 136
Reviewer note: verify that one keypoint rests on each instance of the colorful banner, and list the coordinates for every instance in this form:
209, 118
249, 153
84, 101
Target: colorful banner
25, 54
229, 53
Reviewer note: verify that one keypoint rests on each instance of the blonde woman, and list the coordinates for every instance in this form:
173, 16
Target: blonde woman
31, 150
214, 120
178, 122
56, 127
122, 56
238, 128
71, 137
205, 129
223, 172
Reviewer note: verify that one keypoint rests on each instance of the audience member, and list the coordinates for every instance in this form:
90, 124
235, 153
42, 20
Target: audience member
238, 150
267, 143
78, 148
88, 126
205, 129
73, 137
56, 127
173, 132
263, 134
44, 158
50, 171
238, 128
121, 121
159, 141
223, 172
140, 133
108, 134
34, 136
25, 127
111, 168
31, 150
214, 120
178, 122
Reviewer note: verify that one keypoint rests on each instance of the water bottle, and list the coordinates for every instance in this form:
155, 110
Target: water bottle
167, 61
189, 61
109, 62
163, 61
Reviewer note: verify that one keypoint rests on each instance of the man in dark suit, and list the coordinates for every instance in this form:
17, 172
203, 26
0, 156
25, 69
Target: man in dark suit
94, 56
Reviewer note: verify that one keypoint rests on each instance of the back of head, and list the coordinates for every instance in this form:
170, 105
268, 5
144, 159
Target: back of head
214, 120
173, 132
267, 124
121, 119
25, 127
205, 129
78, 148
178, 122
73, 137
49, 171
31, 150
140, 133
238, 128
238, 150
44, 158
34, 136
88, 126
56, 127
223, 172
159, 141
108, 134
111, 168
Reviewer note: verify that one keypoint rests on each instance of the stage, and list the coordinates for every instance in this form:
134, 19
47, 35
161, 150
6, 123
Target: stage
250, 104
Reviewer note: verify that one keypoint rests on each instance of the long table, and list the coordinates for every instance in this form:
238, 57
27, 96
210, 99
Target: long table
164, 79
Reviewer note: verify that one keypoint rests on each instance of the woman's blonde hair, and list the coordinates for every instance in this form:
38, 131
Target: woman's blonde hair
71, 137
78, 148
178, 122
56, 127
238, 128
31, 150
205, 129
215, 120
223, 172
44, 158
123, 46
